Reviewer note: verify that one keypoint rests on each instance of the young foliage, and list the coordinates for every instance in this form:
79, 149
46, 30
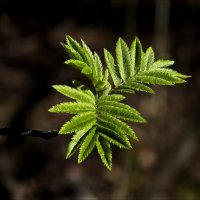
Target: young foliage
134, 69
99, 116
82, 58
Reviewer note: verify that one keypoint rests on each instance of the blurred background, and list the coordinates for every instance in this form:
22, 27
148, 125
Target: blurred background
165, 163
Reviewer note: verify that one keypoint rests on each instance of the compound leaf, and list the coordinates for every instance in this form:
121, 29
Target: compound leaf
99, 112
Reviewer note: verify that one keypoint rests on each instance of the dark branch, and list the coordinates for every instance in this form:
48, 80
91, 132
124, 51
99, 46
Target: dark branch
33, 133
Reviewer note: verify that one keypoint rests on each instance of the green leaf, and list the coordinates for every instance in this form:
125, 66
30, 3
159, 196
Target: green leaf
89, 64
137, 86
149, 58
117, 125
100, 86
79, 86
160, 77
88, 145
182, 76
123, 59
73, 93
76, 141
72, 53
105, 77
77, 64
110, 129
72, 108
99, 114
98, 68
123, 90
161, 64
143, 62
86, 71
103, 84
111, 67
152, 80
89, 59
113, 137
173, 73
104, 150
119, 110
72, 43
136, 55
84, 51
112, 97
78, 122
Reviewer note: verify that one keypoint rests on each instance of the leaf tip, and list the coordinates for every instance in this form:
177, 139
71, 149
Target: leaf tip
136, 138
143, 120
51, 109
67, 155
62, 44
66, 62
54, 86
109, 167
80, 160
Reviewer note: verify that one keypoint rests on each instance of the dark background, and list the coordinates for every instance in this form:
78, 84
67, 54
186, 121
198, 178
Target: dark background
163, 165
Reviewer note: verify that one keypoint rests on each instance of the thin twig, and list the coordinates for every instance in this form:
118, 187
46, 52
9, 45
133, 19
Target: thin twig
33, 133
